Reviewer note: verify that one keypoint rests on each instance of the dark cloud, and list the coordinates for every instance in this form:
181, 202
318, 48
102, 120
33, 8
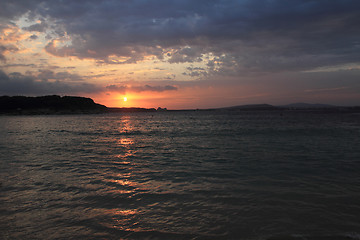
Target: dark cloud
186, 54
38, 27
33, 37
195, 71
124, 88
11, 10
117, 88
20, 65
2, 50
6, 48
46, 75
242, 35
19, 84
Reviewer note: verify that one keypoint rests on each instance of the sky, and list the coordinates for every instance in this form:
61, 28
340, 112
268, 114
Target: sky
182, 54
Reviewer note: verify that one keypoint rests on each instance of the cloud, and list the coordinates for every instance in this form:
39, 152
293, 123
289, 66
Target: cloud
4, 49
38, 27
33, 37
11, 10
124, 88
326, 89
195, 71
233, 37
46, 75
10, 33
186, 54
52, 48
20, 65
19, 84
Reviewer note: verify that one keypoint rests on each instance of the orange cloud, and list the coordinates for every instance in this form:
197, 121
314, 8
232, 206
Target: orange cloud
148, 88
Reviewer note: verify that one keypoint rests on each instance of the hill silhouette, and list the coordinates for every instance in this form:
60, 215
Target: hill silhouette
53, 104
252, 107
307, 106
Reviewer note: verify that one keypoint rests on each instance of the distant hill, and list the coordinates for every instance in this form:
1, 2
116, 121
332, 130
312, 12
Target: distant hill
252, 107
289, 107
249, 107
307, 105
54, 104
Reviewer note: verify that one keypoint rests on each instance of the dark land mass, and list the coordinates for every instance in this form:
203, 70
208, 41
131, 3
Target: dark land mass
298, 107
307, 106
295, 107
54, 104
320, 108
252, 107
290, 107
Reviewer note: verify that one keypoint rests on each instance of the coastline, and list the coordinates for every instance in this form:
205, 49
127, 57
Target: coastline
67, 105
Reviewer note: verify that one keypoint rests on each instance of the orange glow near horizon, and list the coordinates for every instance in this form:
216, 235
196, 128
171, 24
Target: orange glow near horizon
181, 99
132, 99
184, 98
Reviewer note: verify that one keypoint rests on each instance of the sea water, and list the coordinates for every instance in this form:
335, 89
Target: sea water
181, 175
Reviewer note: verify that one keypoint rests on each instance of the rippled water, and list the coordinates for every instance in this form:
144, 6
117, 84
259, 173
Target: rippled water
180, 175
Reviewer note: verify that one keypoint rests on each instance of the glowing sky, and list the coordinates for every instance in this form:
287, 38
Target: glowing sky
182, 53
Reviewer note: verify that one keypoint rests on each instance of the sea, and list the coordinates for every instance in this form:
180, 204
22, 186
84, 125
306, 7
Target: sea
250, 175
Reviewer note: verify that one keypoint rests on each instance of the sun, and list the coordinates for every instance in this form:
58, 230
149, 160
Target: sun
125, 99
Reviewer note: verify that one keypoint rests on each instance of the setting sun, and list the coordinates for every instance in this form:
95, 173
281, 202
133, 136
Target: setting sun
125, 99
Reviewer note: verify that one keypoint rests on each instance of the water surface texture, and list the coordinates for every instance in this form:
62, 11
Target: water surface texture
180, 175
